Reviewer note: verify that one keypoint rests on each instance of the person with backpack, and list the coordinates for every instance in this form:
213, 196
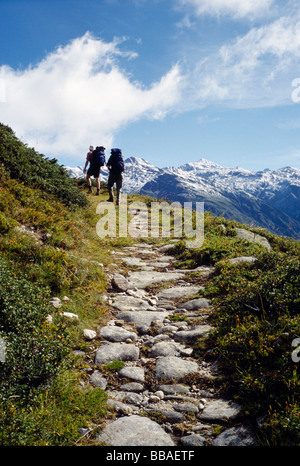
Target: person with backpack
116, 168
96, 158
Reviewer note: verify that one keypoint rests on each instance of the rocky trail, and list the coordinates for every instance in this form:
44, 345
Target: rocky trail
162, 396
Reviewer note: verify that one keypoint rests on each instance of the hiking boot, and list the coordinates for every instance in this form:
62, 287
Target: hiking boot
90, 189
110, 199
98, 192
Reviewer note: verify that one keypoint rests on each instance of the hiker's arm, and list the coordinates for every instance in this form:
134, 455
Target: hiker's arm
86, 164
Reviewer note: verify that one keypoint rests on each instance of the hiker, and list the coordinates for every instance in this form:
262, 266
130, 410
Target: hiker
116, 167
96, 158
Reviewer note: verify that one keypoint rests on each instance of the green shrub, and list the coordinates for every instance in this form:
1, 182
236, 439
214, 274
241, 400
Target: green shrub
257, 319
6, 223
34, 348
36, 170
54, 415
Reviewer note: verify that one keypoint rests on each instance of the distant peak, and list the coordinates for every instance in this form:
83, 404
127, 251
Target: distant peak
201, 164
136, 160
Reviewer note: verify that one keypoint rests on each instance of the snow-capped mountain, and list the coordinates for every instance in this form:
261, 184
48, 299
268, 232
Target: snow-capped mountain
137, 173
268, 198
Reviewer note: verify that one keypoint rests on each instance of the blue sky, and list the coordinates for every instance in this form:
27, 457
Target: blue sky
170, 81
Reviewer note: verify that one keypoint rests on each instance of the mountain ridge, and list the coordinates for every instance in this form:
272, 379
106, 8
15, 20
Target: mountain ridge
268, 198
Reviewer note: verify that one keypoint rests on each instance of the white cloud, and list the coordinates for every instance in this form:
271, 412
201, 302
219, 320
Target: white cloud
79, 95
234, 8
253, 70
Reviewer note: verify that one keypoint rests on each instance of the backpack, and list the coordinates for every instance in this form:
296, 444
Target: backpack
117, 161
98, 157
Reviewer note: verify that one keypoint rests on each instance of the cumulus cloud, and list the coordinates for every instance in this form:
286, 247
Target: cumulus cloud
234, 8
79, 95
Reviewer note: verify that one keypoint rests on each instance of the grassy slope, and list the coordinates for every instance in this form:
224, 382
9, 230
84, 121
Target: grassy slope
257, 319
257, 306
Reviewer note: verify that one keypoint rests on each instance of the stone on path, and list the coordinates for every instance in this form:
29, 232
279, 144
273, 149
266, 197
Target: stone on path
193, 440
132, 387
145, 278
172, 367
191, 335
179, 292
119, 282
133, 372
134, 431
236, 437
116, 334
165, 348
174, 389
220, 410
98, 380
137, 262
193, 304
186, 408
89, 334
127, 303
142, 317
116, 352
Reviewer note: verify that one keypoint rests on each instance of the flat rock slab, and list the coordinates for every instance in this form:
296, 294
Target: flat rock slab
165, 348
172, 367
137, 262
220, 410
193, 440
191, 335
186, 408
135, 431
133, 372
174, 389
132, 387
242, 260
179, 292
116, 334
142, 317
116, 352
128, 303
145, 278
98, 380
253, 237
164, 259
236, 437
194, 304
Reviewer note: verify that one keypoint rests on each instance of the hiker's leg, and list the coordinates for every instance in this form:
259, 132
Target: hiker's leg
119, 183
98, 185
110, 184
89, 182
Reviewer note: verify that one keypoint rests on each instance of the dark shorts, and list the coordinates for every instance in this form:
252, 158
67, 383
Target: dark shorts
115, 178
94, 170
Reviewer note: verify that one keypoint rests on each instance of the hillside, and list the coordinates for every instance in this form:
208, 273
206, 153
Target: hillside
56, 284
269, 199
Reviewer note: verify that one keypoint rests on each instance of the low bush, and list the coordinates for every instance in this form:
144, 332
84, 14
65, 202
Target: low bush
36, 170
257, 318
34, 347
